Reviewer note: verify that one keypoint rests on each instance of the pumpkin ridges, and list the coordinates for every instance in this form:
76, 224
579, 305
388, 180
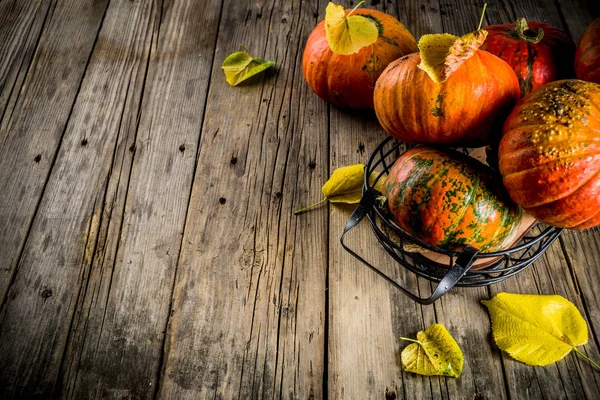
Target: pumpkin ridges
415, 115
546, 181
562, 213
520, 153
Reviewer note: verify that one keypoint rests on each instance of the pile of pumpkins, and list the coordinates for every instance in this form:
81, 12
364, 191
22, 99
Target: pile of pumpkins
511, 88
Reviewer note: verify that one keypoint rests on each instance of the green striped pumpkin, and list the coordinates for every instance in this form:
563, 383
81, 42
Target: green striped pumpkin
447, 199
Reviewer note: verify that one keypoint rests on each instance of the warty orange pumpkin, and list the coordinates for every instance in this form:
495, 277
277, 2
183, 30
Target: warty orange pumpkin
549, 154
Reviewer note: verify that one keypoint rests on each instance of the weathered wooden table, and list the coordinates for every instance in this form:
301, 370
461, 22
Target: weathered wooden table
147, 241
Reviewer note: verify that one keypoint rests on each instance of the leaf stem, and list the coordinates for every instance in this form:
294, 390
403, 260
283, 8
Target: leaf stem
587, 358
354, 9
482, 14
300, 211
410, 340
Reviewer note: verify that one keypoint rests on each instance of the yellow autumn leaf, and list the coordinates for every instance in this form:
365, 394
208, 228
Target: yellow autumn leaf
442, 54
435, 352
536, 329
347, 34
240, 66
345, 186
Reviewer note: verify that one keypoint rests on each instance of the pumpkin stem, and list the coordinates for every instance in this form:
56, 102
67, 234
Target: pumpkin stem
529, 35
442, 54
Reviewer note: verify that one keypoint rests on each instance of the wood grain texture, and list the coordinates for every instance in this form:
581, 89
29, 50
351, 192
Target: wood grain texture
119, 65
20, 25
148, 246
32, 131
130, 315
248, 308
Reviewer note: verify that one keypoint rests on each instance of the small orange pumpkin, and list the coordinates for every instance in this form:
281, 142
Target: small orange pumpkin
467, 108
348, 80
550, 154
587, 57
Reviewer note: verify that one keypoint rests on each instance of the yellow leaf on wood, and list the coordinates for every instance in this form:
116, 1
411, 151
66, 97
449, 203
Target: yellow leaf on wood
435, 352
345, 184
536, 329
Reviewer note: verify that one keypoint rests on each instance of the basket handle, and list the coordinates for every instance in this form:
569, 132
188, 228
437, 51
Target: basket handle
463, 263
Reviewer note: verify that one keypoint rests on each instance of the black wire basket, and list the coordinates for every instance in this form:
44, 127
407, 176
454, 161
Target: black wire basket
467, 268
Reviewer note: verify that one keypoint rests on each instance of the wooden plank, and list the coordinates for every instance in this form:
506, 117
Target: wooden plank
32, 132
128, 298
582, 255
20, 25
249, 303
55, 264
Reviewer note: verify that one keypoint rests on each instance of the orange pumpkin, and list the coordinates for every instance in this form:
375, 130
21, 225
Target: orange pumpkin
550, 154
467, 108
587, 57
348, 80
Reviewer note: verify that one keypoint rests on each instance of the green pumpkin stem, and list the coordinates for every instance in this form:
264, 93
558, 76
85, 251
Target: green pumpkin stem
529, 35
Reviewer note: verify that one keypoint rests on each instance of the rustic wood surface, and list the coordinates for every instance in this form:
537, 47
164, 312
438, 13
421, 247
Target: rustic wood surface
147, 242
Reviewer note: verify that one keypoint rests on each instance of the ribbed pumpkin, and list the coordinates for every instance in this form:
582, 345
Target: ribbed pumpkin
587, 57
449, 200
539, 53
348, 80
550, 154
467, 108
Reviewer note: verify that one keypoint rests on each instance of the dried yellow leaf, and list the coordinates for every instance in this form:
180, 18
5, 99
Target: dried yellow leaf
345, 186
442, 54
536, 329
435, 352
347, 34
240, 66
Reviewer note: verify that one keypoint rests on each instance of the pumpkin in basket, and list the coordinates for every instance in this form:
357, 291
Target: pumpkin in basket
587, 57
549, 154
347, 79
449, 93
539, 53
447, 199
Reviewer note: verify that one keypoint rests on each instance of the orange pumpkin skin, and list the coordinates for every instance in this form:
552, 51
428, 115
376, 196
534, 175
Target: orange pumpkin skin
348, 80
549, 154
587, 56
468, 108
